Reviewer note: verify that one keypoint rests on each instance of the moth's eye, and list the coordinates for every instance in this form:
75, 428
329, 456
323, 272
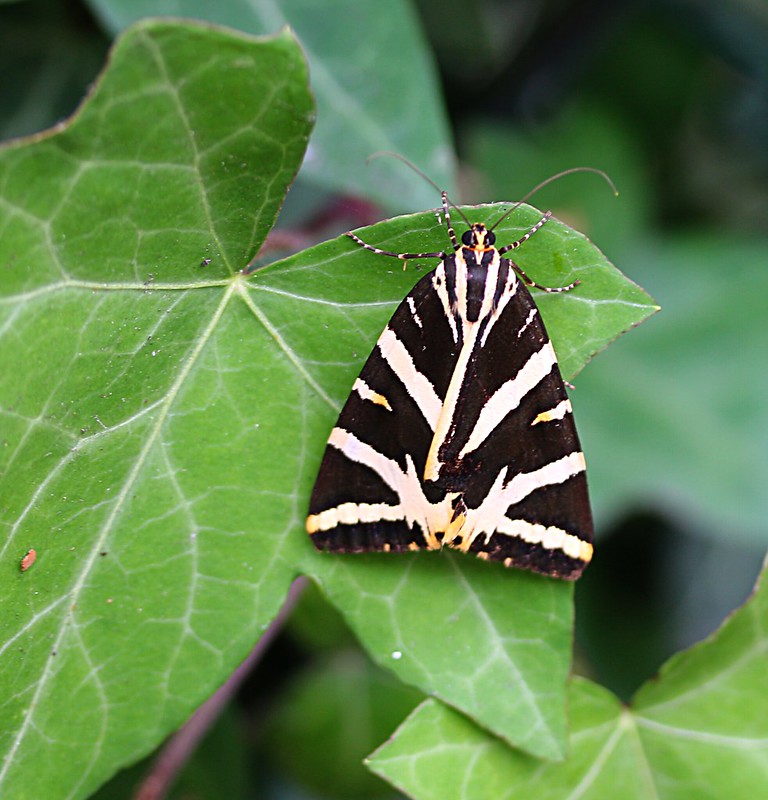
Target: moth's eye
490, 239
467, 238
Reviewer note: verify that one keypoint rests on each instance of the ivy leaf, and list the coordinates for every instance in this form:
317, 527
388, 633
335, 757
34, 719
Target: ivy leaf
374, 79
698, 730
132, 614
502, 653
163, 417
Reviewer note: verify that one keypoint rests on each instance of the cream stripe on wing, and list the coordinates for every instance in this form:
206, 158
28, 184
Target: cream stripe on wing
549, 537
361, 453
366, 393
509, 395
414, 313
418, 386
354, 514
510, 290
558, 412
432, 467
491, 515
524, 483
528, 320
440, 285
413, 507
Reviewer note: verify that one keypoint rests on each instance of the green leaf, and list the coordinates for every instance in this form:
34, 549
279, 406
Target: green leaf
122, 440
698, 730
504, 649
493, 644
707, 708
437, 753
375, 82
164, 417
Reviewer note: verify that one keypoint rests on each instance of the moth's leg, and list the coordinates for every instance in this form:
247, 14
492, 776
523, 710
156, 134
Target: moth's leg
530, 282
522, 274
402, 256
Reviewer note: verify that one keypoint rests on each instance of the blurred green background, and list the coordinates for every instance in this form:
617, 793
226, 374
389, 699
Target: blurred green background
671, 99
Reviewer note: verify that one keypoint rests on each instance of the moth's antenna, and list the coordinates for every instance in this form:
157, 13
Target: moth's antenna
555, 177
426, 177
407, 162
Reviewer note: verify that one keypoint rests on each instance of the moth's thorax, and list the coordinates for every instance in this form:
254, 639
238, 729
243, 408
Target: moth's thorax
472, 281
478, 258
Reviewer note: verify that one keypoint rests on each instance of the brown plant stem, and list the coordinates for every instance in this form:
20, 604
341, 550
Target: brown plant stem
181, 746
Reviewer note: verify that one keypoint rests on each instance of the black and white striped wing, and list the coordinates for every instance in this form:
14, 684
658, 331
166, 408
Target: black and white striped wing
459, 433
379, 446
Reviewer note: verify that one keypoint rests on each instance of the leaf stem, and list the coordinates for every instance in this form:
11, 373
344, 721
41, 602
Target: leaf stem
182, 745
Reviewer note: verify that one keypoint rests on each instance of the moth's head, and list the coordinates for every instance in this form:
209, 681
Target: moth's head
478, 237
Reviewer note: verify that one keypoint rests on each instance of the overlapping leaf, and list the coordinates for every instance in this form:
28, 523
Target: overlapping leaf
697, 731
374, 80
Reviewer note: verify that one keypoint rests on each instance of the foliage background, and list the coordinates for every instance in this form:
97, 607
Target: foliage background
671, 98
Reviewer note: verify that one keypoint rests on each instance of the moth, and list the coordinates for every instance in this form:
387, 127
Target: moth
459, 432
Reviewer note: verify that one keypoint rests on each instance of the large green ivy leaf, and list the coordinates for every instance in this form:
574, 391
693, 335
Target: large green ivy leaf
163, 416
699, 731
504, 646
129, 618
374, 79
